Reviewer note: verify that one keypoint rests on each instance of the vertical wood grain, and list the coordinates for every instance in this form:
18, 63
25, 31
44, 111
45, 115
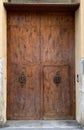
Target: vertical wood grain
40, 45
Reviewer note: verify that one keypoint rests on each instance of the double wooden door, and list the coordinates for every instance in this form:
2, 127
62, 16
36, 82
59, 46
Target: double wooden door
40, 66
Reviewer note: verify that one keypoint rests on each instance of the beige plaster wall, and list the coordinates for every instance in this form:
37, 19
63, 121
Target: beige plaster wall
77, 57
82, 56
2, 62
79, 53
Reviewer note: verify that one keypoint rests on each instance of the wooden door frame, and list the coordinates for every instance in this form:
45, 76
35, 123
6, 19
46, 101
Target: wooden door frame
50, 7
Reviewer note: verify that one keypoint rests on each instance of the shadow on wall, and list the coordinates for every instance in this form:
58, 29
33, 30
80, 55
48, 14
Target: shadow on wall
26, 1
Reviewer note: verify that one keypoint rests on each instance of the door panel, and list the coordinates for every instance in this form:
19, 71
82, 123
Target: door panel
23, 60
57, 38
57, 48
41, 46
23, 38
25, 102
57, 103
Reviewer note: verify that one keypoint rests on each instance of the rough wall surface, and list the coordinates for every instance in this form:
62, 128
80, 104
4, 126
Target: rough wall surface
1, 90
82, 56
2, 63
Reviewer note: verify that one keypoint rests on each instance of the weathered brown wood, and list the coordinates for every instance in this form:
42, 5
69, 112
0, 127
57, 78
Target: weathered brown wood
57, 100
57, 48
23, 56
42, 6
41, 45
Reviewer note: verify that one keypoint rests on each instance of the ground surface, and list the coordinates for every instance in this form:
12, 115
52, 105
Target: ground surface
43, 125
40, 129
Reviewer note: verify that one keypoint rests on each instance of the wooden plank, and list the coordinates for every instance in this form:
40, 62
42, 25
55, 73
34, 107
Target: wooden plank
42, 6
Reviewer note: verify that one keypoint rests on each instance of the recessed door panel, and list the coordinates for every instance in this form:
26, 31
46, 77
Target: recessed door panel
57, 94
25, 89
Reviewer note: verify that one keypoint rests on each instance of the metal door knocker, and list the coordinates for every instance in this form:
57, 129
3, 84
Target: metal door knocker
22, 78
57, 78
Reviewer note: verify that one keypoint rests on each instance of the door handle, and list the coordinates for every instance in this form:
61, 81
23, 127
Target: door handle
22, 78
57, 79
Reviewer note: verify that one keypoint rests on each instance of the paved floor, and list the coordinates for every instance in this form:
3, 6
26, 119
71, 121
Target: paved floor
43, 125
40, 129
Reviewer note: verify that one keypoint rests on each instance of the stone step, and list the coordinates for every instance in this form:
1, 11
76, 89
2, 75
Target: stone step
43, 125
40, 129
26, 1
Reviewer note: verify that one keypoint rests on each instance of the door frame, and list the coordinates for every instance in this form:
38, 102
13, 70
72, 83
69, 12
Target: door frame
42, 8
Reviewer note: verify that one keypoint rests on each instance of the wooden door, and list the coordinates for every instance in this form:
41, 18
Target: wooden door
41, 66
23, 60
57, 56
